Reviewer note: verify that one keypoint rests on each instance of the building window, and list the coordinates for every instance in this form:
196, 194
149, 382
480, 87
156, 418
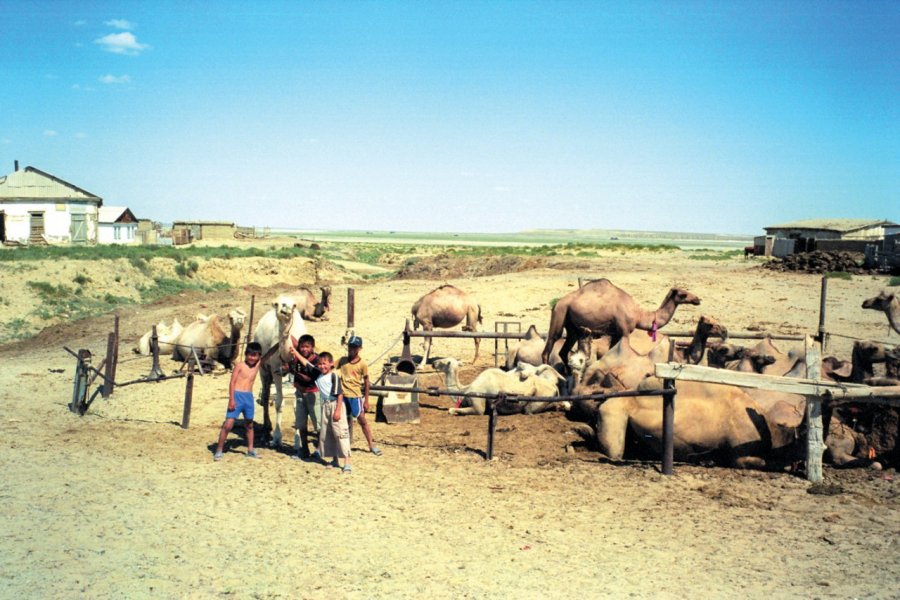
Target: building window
117, 232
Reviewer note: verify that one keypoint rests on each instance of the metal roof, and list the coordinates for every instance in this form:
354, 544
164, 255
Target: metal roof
111, 214
34, 184
839, 225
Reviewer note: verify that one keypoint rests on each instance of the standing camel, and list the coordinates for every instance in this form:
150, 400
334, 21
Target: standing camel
445, 307
600, 308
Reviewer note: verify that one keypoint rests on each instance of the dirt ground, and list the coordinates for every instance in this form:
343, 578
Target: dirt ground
125, 503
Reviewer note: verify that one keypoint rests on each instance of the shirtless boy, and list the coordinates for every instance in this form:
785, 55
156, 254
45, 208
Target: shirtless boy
240, 395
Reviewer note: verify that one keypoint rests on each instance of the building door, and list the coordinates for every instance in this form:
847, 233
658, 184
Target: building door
2, 226
37, 228
78, 228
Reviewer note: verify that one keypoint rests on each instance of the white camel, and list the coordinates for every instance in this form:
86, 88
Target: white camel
277, 326
525, 380
167, 336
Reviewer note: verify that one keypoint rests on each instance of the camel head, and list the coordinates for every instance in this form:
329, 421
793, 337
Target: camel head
880, 302
721, 353
326, 297
237, 317
284, 308
711, 327
681, 296
446, 365
759, 360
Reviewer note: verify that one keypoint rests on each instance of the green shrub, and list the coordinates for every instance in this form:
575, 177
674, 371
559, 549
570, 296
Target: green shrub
81, 279
894, 280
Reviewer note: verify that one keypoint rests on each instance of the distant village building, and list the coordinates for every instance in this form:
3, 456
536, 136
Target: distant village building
824, 234
185, 232
39, 208
117, 225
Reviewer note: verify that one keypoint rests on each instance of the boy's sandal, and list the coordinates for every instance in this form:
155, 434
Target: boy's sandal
346, 470
252, 454
376, 451
217, 456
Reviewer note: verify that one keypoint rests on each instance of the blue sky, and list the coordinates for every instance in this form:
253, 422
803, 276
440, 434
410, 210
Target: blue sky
718, 117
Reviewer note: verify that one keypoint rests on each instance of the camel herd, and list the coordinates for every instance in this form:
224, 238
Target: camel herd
618, 346
618, 343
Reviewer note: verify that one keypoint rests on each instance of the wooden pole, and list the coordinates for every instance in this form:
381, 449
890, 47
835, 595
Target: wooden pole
668, 416
155, 371
815, 442
249, 326
111, 369
823, 296
110, 350
351, 308
188, 395
492, 425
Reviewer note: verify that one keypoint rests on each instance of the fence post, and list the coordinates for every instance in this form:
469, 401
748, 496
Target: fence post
824, 295
351, 309
108, 381
249, 328
114, 366
668, 416
188, 395
155, 371
815, 443
492, 425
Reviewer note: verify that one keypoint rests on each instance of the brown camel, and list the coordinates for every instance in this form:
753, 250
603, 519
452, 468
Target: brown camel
311, 310
599, 308
889, 304
444, 307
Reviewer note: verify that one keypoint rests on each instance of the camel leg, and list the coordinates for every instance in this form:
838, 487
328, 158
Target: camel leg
279, 402
427, 346
264, 394
565, 348
477, 344
612, 424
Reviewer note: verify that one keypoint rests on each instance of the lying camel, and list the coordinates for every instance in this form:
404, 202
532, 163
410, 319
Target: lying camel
282, 322
600, 308
888, 303
525, 380
212, 338
311, 310
444, 307
708, 418
166, 336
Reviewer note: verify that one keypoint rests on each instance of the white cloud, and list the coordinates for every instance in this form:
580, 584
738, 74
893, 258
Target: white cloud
120, 24
50, 132
121, 43
114, 79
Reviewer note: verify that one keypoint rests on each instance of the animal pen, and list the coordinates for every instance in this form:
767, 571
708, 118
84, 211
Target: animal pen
812, 387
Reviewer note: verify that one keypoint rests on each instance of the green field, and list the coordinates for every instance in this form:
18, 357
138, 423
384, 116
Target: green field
686, 241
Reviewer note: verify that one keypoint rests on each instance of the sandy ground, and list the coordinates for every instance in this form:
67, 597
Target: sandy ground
124, 503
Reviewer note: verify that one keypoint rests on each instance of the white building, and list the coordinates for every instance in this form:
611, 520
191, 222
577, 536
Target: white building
116, 225
36, 208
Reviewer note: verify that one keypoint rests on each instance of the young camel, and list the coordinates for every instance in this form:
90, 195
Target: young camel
888, 303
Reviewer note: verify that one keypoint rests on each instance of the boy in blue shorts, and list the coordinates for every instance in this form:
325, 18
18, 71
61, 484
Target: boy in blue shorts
240, 396
355, 385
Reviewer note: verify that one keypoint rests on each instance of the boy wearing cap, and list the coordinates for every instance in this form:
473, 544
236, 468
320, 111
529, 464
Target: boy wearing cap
240, 396
355, 385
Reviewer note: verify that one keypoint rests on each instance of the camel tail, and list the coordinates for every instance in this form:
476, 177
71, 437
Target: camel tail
479, 313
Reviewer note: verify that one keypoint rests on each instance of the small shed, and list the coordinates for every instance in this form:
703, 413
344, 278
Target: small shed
40, 208
116, 225
185, 232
